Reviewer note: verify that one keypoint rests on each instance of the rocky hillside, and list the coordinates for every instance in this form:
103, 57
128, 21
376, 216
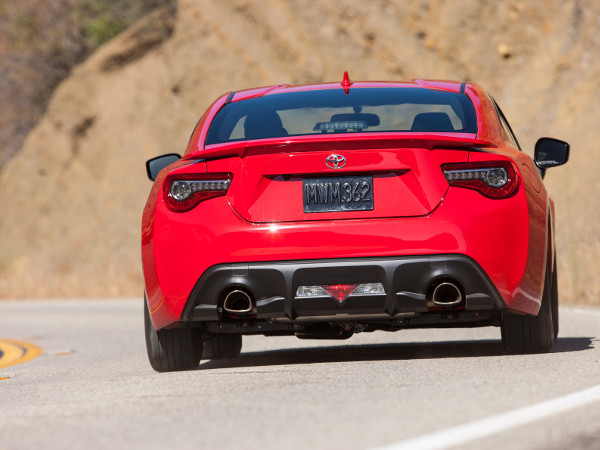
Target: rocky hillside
72, 198
40, 42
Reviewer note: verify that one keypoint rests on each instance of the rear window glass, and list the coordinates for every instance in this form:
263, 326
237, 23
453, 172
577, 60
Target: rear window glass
363, 110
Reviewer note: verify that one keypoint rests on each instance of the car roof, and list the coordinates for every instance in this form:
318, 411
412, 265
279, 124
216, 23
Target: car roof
436, 85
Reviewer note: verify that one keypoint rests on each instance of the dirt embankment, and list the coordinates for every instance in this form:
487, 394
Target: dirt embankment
40, 42
72, 198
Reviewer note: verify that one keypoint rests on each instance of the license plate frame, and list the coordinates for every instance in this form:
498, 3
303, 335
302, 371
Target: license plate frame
338, 194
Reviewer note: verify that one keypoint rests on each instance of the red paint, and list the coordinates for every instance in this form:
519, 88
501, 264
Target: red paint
346, 83
416, 211
413, 174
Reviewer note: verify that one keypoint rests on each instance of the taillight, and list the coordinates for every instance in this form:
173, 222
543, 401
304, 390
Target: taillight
494, 179
183, 192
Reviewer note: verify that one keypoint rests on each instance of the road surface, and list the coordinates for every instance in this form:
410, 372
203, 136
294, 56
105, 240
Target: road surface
92, 387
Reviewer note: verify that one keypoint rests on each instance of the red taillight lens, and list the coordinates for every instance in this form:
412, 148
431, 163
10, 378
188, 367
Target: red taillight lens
494, 179
183, 192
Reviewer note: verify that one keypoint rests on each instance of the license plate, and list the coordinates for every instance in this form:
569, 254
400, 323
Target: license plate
337, 194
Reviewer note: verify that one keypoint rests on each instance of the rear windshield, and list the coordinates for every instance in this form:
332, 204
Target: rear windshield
363, 110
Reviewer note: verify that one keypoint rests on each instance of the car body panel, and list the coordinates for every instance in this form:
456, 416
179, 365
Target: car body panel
416, 212
270, 184
477, 230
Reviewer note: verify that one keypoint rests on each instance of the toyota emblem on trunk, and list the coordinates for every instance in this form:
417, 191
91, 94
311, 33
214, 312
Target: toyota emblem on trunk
335, 161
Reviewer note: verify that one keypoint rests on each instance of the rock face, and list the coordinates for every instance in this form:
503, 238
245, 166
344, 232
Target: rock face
72, 199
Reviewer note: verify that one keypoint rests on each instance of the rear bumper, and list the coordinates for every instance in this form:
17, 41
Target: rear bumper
407, 282
181, 252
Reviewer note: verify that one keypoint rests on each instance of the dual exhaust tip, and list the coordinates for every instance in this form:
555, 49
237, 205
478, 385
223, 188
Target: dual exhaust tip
446, 293
239, 302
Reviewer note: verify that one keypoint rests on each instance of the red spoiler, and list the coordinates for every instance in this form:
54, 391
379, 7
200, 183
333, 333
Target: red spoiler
319, 142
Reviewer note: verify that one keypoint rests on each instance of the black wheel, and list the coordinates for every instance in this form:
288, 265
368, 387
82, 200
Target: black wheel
554, 298
530, 334
222, 346
173, 349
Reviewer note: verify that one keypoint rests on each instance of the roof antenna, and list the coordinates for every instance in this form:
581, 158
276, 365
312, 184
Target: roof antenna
346, 83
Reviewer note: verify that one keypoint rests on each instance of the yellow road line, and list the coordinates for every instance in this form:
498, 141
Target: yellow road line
17, 352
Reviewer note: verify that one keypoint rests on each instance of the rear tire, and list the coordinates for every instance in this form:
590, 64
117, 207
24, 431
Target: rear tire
530, 334
554, 297
173, 349
222, 346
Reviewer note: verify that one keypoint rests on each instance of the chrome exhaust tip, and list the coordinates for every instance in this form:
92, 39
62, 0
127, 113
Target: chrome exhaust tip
237, 302
446, 294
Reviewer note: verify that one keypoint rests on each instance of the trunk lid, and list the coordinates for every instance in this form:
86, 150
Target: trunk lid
371, 179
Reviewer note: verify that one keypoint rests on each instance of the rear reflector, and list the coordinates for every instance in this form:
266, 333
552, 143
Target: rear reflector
340, 291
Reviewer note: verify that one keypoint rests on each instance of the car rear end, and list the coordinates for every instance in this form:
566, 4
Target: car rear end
324, 211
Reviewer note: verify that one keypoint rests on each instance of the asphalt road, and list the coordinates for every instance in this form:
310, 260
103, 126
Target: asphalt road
92, 387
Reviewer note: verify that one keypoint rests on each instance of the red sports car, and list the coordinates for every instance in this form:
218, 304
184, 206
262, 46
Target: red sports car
331, 209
